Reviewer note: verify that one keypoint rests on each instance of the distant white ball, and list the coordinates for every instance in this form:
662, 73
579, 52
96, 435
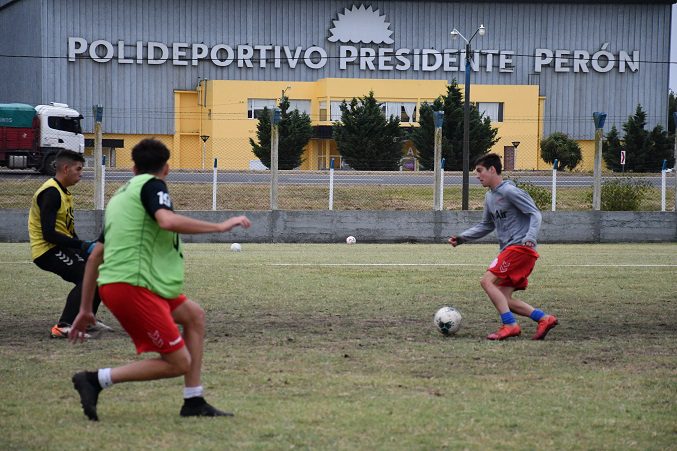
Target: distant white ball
448, 320
351, 240
235, 247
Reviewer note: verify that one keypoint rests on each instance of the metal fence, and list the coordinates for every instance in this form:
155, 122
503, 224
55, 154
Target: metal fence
343, 189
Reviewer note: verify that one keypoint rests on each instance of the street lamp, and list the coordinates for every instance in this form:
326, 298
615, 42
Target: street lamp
466, 112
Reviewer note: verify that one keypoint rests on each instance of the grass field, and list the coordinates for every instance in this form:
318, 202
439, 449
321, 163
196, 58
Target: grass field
333, 347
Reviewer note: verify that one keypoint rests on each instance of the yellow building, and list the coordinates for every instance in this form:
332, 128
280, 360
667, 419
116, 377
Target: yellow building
217, 119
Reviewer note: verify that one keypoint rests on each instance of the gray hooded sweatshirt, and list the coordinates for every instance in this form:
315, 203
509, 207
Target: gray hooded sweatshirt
509, 210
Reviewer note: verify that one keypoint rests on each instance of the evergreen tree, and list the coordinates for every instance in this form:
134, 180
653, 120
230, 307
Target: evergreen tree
635, 141
294, 132
365, 138
559, 146
482, 135
611, 150
659, 148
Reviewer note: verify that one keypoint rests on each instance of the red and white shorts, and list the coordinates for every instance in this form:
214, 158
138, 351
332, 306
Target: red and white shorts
513, 266
145, 316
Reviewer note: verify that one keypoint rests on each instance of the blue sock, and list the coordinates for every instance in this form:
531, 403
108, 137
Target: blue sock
537, 314
508, 318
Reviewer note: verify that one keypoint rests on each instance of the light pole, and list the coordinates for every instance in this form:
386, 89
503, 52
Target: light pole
514, 152
466, 113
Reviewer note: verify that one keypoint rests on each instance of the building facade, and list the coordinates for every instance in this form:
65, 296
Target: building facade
185, 69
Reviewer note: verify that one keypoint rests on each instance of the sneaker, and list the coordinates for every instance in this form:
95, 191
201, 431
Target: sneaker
89, 394
198, 407
544, 326
99, 326
505, 332
62, 332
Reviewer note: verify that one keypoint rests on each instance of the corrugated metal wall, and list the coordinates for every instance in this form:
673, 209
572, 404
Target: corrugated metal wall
138, 98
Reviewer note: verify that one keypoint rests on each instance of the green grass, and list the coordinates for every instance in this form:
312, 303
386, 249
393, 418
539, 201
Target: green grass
316, 356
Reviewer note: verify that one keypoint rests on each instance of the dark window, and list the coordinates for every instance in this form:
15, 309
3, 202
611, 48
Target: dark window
67, 124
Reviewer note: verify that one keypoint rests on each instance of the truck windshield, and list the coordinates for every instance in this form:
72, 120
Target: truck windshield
67, 124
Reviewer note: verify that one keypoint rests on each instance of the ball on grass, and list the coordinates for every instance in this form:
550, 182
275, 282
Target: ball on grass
235, 247
351, 240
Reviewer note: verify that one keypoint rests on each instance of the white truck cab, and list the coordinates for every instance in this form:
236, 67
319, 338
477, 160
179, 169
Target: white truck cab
60, 127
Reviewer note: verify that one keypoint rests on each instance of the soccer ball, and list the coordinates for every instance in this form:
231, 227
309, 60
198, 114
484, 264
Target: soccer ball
235, 247
351, 240
448, 320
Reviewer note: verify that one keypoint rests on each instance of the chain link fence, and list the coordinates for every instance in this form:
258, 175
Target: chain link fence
226, 175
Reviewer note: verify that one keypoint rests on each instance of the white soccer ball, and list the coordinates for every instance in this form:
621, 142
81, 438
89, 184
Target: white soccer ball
351, 240
235, 247
448, 320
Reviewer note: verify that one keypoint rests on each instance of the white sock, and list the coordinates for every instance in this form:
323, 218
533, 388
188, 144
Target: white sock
104, 378
192, 392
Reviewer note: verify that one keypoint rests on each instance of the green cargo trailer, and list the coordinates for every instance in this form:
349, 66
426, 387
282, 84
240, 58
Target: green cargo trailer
16, 115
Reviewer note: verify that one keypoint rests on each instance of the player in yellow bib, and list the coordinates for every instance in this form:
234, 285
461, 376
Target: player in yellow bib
138, 265
55, 247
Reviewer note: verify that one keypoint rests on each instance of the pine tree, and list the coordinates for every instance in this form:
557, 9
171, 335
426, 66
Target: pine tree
635, 141
365, 138
559, 146
482, 135
294, 132
659, 148
611, 150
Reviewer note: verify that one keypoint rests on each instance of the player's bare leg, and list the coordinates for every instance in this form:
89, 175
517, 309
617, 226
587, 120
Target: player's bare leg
516, 305
545, 322
498, 298
191, 316
510, 328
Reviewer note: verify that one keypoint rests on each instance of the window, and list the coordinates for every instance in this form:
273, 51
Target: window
493, 110
67, 124
256, 106
404, 111
302, 105
334, 114
335, 110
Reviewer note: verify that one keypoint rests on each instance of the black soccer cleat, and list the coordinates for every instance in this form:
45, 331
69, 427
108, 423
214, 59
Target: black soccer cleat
198, 407
89, 394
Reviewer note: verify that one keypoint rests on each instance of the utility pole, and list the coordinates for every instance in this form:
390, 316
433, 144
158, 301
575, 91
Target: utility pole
438, 117
98, 157
274, 141
674, 166
599, 119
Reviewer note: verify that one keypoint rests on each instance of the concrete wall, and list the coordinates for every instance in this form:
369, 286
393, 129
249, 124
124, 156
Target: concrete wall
389, 226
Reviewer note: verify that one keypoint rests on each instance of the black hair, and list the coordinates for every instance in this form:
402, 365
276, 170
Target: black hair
488, 160
149, 156
68, 157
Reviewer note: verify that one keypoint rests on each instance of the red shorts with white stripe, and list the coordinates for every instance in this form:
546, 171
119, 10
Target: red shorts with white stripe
513, 266
145, 316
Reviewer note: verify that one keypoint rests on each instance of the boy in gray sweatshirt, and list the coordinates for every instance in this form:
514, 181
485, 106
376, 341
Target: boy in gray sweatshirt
514, 215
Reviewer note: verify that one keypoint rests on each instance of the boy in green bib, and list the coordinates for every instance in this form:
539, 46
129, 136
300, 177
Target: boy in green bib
138, 266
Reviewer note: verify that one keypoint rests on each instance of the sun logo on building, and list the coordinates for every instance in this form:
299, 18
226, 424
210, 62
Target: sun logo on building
361, 24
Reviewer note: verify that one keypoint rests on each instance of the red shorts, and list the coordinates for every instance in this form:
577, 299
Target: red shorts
513, 266
145, 316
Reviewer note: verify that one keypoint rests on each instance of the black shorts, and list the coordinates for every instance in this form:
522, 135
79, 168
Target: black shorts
67, 263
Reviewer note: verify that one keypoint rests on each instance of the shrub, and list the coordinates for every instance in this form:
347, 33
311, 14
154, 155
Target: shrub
541, 196
622, 194
559, 146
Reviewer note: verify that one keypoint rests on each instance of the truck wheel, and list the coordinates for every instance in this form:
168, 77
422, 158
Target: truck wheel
49, 164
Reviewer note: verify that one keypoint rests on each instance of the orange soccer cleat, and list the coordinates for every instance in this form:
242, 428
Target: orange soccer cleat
544, 326
505, 332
